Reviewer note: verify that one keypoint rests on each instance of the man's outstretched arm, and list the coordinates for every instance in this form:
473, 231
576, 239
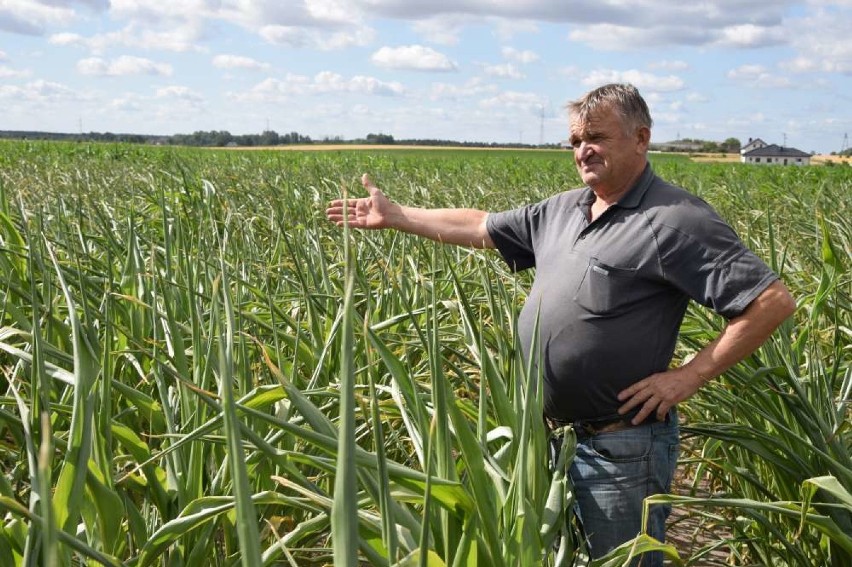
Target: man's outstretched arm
463, 227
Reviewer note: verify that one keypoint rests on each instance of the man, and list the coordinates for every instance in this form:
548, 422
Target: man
616, 265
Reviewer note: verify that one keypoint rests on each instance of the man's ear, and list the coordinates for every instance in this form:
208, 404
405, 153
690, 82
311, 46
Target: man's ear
643, 138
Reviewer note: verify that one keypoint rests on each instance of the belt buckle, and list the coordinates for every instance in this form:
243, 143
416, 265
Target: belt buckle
614, 426
589, 428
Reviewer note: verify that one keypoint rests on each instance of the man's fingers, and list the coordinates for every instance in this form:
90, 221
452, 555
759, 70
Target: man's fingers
629, 391
634, 395
646, 410
631, 403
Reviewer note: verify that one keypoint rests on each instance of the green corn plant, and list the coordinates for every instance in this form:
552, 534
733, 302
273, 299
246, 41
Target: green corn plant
199, 369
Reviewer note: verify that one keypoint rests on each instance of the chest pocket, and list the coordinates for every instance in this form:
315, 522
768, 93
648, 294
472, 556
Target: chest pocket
605, 289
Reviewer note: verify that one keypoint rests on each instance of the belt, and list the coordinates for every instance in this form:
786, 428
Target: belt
596, 426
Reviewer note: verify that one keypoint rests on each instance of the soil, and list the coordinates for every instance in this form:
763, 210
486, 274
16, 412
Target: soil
691, 532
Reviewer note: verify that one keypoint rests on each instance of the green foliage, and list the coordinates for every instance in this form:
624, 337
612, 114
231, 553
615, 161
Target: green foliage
199, 368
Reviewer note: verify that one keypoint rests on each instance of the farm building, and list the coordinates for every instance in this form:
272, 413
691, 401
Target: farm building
752, 145
774, 154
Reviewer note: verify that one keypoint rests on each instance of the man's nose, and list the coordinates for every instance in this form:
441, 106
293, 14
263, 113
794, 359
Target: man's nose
583, 150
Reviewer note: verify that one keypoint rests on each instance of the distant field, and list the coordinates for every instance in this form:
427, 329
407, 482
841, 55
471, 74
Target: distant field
817, 159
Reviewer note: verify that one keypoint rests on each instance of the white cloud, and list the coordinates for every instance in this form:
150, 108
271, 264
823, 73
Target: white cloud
506, 71
697, 97
330, 11
822, 39
358, 37
628, 37
520, 56
371, 85
66, 38
524, 101
122, 66
179, 93
642, 81
317, 14
128, 103
750, 35
326, 82
412, 58
507, 28
179, 39
300, 37
471, 88
162, 14
285, 35
442, 30
7, 72
40, 91
801, 64
747, 72
274, 89
528, 9
238, 62
758, 76
3, 56
33, 18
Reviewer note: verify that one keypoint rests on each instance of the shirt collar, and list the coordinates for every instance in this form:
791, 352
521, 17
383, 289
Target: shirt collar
631, 199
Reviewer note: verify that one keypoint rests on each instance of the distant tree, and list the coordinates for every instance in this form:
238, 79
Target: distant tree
269, 138
294, 138
221, 138
732, 145
386, 139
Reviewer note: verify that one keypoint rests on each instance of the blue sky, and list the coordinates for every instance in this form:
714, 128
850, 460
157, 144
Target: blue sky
467, 70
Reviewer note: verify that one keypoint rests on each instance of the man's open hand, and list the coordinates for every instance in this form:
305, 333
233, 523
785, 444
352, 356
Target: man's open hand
371, 212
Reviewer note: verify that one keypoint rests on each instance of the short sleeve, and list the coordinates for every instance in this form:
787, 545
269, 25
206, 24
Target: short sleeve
712, 265
512, 233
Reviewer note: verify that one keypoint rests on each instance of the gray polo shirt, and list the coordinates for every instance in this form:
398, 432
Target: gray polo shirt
610, 295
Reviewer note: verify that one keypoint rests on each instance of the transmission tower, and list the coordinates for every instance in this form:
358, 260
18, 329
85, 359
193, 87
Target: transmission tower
845, 143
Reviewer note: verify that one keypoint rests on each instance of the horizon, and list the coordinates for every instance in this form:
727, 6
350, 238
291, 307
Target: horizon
464, 71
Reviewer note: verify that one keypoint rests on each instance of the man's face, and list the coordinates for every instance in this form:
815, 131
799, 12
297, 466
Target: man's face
608, 155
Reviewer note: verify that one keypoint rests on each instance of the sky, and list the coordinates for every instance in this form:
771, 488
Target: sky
498, 71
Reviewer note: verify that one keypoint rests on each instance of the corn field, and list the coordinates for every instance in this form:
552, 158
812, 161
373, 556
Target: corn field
199, 369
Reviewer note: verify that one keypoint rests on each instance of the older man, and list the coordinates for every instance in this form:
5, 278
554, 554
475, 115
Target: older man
617, 263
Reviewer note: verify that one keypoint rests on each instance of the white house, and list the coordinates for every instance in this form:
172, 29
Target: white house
752, 145
776, 155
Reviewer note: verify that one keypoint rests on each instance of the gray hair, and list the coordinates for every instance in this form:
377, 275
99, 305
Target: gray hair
624, 98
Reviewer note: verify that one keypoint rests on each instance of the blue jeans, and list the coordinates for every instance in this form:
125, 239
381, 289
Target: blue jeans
612, 474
